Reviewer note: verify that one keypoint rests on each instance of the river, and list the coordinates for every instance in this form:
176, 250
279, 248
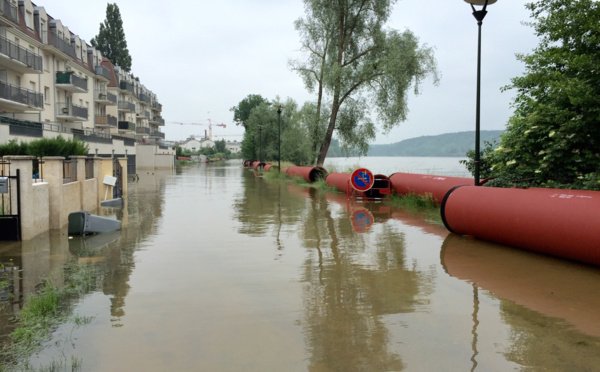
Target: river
217, 269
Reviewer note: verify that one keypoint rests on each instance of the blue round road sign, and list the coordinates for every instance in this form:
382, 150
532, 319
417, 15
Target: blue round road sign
362, 179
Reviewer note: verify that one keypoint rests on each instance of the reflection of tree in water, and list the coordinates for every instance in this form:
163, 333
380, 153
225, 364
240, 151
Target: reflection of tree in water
544, 343
350, 283
144, 209
265, 204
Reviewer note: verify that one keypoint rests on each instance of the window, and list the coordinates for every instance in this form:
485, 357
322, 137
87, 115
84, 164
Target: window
29, 19
47, 95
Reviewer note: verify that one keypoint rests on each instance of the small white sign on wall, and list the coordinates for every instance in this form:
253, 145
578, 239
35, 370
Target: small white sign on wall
110, 181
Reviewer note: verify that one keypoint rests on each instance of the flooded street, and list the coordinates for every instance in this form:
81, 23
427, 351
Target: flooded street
218, 270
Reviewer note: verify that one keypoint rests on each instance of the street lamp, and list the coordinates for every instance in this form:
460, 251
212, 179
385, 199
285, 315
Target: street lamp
479, 16
279, 107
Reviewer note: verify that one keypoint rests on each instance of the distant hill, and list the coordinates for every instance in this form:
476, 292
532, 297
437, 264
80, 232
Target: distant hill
449, 144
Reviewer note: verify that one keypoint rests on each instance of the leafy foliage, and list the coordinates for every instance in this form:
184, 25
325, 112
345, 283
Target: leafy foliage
111, 38
241, 112
46, 147
359, 65
553, 138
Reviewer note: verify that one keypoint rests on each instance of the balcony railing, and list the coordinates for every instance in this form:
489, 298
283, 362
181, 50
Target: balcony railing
126, 106
126, 125
142, 130
106, 120
125, 85
143, 114
18, 53
102, 71
61, 44
91, 136
19, 127
145, 98
63, 109
68, 78
158, 134
111, 97
159, 120
9, 10
21, 95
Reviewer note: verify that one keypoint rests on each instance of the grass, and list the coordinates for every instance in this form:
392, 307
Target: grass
44, 311
424, 205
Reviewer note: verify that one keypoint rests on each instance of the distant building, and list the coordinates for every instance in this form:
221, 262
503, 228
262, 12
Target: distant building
234, 146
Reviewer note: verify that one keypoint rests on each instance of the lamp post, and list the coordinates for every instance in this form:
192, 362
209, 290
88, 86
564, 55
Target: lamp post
479, 16
279, 107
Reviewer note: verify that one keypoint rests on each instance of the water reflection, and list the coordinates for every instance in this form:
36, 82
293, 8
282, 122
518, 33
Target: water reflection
350, 279
34, 260
551, 305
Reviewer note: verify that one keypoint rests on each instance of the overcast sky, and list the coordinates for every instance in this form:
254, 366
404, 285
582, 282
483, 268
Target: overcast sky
203, 57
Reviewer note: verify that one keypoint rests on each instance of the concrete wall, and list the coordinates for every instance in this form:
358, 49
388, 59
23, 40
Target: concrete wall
153, 157
46, 204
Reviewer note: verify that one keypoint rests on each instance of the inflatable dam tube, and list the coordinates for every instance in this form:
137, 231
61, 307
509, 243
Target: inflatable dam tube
310, 174
258, 164
340, 181
424, 184
268, 167
247, 163
557, 222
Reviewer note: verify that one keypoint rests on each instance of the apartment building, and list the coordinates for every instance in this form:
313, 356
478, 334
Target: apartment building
53, 83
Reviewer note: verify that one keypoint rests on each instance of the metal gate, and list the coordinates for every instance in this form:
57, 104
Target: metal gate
118, 174
10, 204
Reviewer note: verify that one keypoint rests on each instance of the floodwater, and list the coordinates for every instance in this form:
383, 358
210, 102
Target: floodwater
219, 270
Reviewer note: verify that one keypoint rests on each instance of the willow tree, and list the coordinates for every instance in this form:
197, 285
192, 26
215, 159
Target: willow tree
360, 65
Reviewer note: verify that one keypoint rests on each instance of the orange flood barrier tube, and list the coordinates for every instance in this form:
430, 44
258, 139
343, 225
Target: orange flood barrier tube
258, 164
561, 223
424, 184
268, 167
311, 174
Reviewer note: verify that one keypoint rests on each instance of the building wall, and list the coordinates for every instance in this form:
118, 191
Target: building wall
63, 51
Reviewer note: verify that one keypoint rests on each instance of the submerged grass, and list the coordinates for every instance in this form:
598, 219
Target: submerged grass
424, 205
44, 311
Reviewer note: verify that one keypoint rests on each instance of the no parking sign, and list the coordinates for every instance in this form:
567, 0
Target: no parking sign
362, 179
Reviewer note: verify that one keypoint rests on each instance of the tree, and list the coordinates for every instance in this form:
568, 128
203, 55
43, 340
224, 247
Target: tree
360, 65
553, 138
110, 40
242, 111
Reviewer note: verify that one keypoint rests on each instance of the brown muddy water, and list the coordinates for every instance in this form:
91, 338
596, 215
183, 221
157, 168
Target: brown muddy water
218, 270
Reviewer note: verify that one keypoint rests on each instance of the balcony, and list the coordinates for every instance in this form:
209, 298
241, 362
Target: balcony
143, 114
15, 57
126, 106
157, 135
70, 112
157, 120
106, 121
126, 126
8, 11
102, 71
145, 98
126, 87
142, 130
52, 39
71, 82
105, 98
15, 98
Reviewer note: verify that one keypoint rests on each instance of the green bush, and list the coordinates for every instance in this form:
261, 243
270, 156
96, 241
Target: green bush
46, 147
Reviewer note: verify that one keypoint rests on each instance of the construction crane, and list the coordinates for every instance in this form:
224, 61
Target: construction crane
209, 127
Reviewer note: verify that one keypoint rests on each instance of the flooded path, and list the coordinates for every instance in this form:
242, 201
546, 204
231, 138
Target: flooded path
218, 270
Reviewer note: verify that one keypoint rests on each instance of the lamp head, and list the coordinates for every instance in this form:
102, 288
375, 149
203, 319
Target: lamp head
480, 2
